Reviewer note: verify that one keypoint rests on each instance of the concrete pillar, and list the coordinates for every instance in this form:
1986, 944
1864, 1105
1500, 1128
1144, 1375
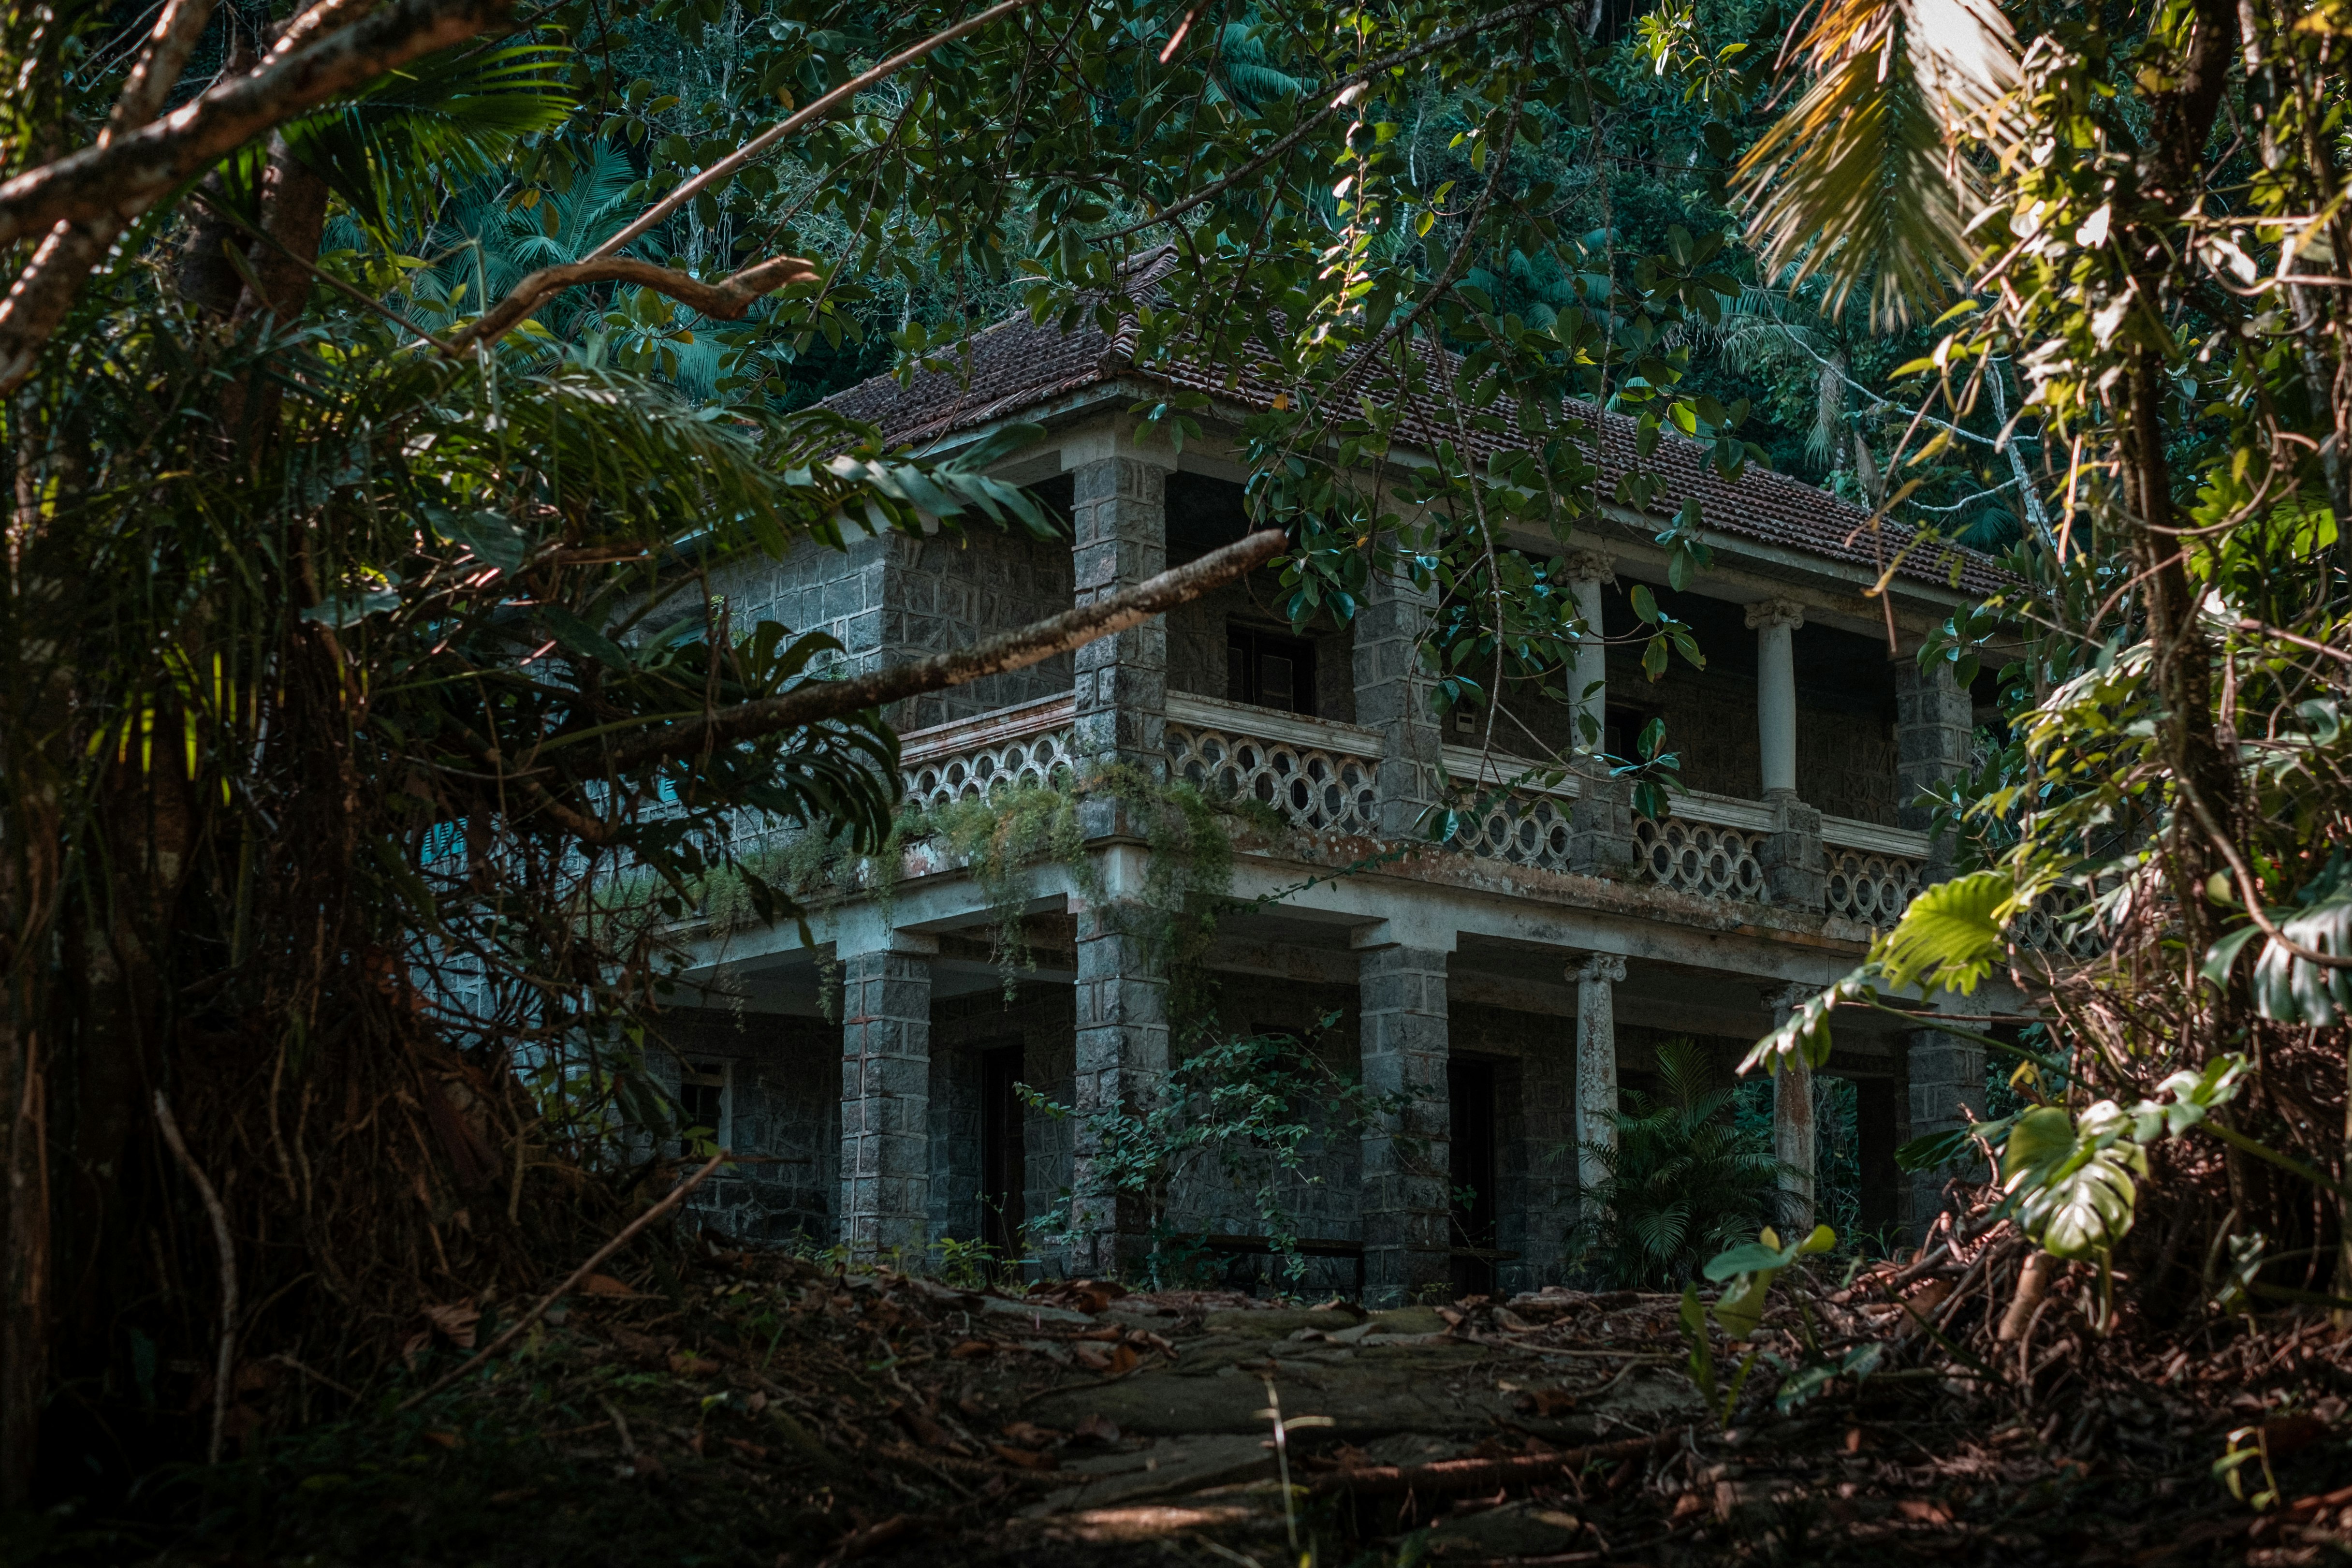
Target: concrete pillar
1120, 537
1121, 1063
1393, 695
1775, 622
1794, 1142
1946, 1077
1588, 683
1596, 1064
886, 1068
1795, 866
1407, 1246
1933, 726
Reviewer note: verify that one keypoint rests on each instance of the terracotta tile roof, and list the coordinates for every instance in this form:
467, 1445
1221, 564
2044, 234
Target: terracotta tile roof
1017, 365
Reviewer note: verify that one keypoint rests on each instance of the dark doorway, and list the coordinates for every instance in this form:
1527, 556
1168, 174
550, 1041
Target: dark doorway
1875, 1135
1470, 1169
1003, 1162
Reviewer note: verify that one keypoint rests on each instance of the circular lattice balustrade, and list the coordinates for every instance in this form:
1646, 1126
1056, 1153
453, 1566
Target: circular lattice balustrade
1323, 791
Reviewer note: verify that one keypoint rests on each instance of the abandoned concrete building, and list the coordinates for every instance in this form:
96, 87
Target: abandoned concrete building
1517, 980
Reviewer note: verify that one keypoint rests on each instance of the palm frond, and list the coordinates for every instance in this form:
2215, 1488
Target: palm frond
1861, 182
386, 151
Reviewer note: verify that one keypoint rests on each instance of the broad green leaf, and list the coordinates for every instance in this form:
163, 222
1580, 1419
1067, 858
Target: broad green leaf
2087, 1207
2043, 1137
1950, 937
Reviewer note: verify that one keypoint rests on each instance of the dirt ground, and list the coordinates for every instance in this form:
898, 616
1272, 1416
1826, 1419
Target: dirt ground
758, 1409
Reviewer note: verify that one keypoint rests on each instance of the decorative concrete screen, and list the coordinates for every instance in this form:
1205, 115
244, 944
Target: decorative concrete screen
1870, 887
1711, 859
1024, 747
1524, 829
1319, 775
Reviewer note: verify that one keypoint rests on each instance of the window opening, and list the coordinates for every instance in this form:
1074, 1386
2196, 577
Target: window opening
706, 1101
1269, 671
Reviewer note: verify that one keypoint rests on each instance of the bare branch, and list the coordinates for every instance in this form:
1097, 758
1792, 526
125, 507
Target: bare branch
777, 132
129, 175
726, 300
157, 72
1040, 640
61, 265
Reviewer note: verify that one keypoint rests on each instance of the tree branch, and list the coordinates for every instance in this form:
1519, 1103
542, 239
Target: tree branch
777, 132
726, 300
753, 281
60, 268
820, 700
127, 175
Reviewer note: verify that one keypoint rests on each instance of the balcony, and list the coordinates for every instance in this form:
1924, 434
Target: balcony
1320, 775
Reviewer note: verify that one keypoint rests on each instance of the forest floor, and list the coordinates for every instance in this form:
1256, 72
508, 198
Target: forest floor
757, 1409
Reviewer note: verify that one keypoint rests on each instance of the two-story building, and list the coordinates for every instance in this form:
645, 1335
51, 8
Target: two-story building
1515, 980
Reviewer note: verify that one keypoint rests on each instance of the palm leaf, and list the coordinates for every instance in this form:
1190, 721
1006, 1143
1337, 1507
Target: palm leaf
1861, 182
453, 117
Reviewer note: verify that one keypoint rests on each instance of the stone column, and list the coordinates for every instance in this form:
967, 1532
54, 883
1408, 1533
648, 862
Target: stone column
1122, 1062
1406, 1243
1120, 702
1793, 1138
1796, 867
1596, 1066
1601, 822
1119, 519
885, 1069
1775, 623
1392, 696
1588, 684
1934, 725
1947, 1078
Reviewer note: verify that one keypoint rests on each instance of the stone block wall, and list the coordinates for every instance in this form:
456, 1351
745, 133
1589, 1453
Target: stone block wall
786, 1112
898, 598
954, 592
1322, 1201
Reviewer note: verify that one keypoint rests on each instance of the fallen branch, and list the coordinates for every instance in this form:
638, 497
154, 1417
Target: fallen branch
725, 300
628, 1233
224, 1363
815, 700
1467, 1478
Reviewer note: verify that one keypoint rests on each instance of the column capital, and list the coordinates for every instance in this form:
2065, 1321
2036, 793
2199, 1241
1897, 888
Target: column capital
1607, 968
1770, 614
1784, 999
1588, 566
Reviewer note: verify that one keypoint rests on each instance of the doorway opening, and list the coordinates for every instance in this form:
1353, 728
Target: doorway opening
1004, 1158
1471, 1172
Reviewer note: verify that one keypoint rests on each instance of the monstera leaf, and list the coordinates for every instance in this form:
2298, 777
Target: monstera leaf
2086, 1204
1949, 938
2294, 990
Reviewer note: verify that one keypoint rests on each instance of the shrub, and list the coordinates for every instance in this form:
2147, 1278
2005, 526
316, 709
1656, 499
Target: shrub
1683, 1181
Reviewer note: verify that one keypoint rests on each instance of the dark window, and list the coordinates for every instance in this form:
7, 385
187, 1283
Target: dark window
1269, 671
1004, 1158
1620, 732
703, 1101
1470, 1167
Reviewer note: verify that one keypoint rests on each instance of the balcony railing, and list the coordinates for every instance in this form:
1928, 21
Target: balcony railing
1873, 871
1317, 772
1320, 775
970, 759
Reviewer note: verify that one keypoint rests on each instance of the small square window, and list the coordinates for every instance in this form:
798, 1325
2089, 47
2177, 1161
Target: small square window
706, 1101
1266, 670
